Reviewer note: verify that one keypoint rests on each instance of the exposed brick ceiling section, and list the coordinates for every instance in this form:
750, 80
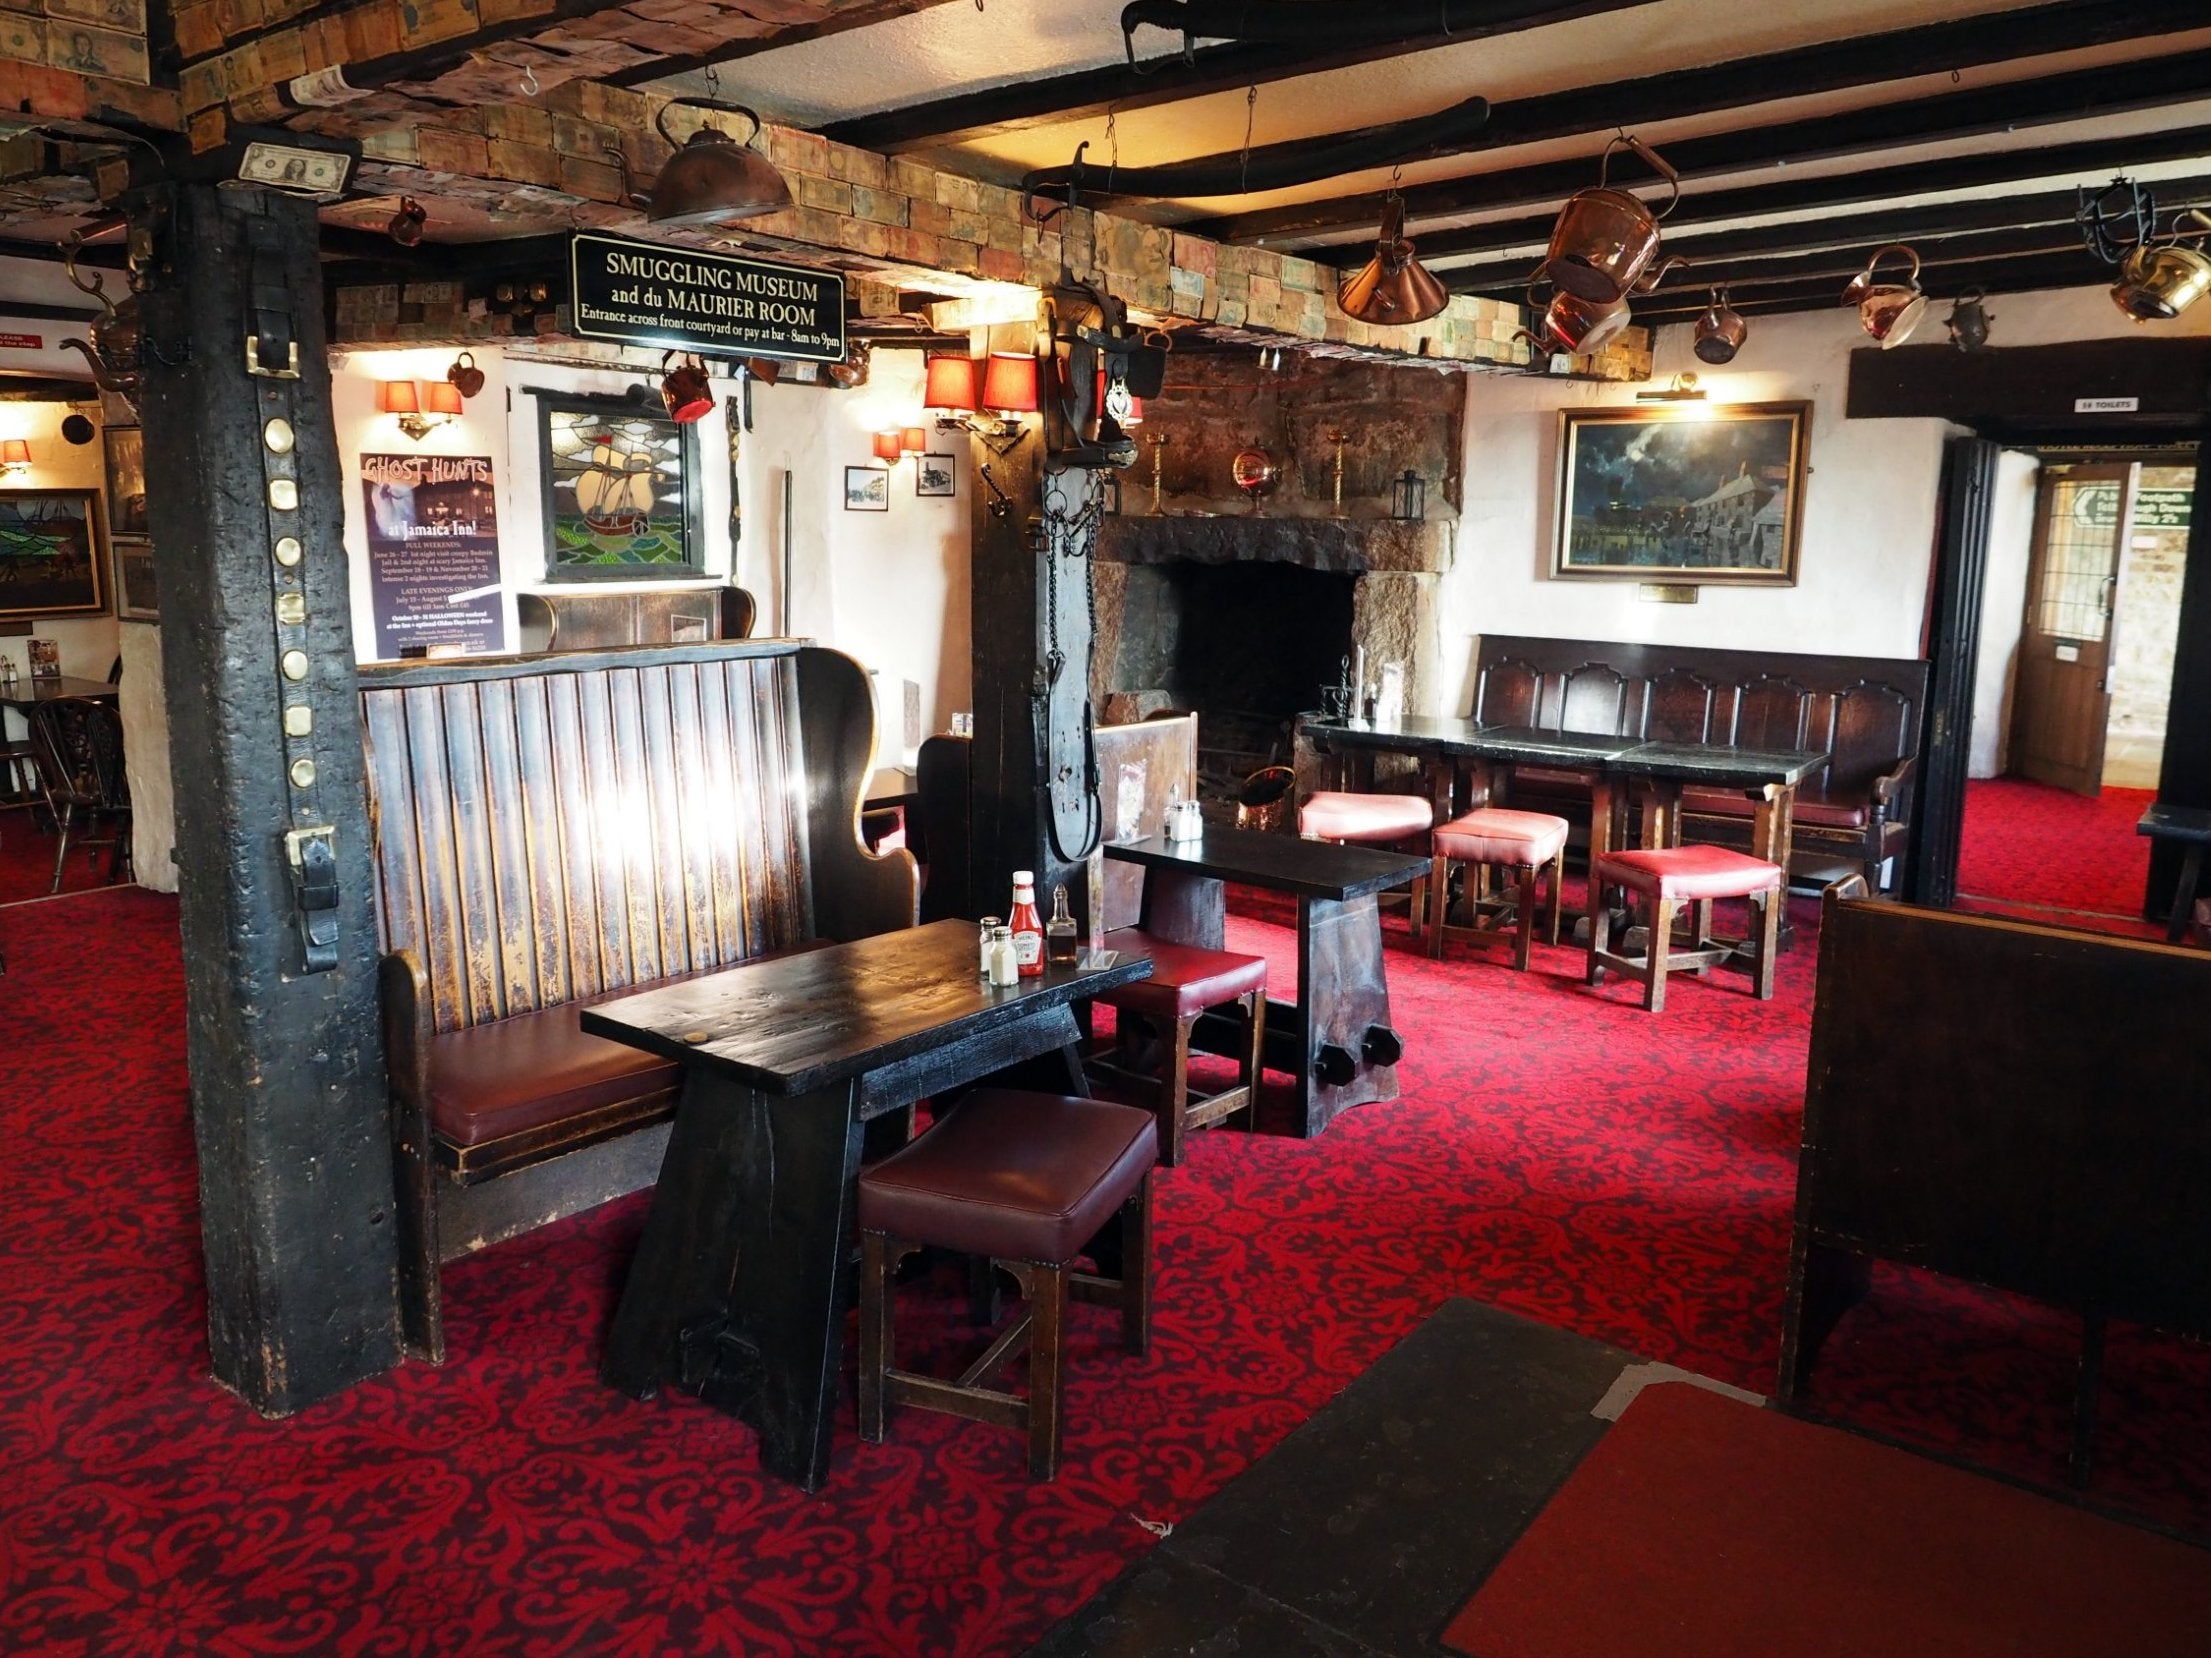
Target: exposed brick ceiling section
238, 57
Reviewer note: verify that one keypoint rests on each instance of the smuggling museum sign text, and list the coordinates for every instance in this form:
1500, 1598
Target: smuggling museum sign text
646, 293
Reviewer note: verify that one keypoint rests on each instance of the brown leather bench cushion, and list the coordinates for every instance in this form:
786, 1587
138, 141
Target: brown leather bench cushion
1810, 808
1025, 1177
513, 1076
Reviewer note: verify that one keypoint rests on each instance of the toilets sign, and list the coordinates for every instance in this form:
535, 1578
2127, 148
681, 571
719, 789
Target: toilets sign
645, 293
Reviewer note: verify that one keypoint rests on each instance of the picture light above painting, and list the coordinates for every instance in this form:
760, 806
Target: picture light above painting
1703, 494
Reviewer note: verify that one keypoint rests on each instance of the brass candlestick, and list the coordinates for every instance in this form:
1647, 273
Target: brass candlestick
1337, 438
1158, 443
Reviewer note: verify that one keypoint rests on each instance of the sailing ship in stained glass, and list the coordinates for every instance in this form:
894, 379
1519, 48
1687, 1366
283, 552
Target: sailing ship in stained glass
618, 493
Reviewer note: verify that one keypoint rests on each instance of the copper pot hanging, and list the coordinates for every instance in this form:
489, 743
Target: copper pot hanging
1605, 238
1721, 331
2158, 281
712, 179
1888, 311
1392, 287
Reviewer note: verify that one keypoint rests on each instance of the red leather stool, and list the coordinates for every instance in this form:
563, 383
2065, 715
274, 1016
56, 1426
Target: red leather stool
1186, 980
1370, 820
1670, 877
1494, 837
1025, 1180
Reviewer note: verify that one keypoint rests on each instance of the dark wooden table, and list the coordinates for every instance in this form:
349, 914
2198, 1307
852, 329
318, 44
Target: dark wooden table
1336, 1041
2191, 826
29, 693
738, 1289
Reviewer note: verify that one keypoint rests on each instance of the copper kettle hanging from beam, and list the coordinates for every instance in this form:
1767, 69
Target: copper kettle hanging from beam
1392, 288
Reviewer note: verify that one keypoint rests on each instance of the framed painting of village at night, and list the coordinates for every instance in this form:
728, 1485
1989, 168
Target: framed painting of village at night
1682, 493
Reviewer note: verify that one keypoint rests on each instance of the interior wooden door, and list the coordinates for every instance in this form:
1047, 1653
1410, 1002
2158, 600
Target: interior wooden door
2061, 698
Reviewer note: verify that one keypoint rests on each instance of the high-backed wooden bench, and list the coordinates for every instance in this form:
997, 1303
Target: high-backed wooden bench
552, 831
1863, 712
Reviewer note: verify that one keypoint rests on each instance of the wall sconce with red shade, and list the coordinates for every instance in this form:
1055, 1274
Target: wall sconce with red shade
15, 456
986, 397
895, 443
422, 407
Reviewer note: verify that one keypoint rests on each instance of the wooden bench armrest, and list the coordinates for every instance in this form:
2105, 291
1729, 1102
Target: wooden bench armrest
856, 893
1889, 787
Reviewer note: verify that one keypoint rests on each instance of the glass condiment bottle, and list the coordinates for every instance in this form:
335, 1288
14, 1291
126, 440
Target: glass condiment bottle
990, 929
1061, 946
1004, 968
1026, 926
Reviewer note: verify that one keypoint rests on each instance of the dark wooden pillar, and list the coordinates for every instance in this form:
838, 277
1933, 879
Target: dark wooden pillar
2184, 778
288, 1091
1027, 576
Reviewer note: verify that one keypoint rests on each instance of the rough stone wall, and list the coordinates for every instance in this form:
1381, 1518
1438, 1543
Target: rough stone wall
2148, 622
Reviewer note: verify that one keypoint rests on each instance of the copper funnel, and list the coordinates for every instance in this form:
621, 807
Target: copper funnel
1392, 288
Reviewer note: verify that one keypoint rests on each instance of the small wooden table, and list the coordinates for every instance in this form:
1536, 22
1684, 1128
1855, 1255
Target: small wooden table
737, 1292
2191, 826
29, 693
1336, 1041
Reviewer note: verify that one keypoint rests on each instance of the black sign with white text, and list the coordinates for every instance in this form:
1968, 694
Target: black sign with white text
646, 293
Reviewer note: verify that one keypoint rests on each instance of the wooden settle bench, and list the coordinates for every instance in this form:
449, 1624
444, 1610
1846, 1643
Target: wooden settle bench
1863, 712
551, 831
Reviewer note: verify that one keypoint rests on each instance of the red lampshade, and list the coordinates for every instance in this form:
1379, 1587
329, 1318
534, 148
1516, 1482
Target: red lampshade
15, 452
887, 444
398, 397
1009, 383
952, 383
442, 397
915, 440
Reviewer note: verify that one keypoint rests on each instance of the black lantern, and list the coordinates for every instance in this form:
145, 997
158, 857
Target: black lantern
1409, 496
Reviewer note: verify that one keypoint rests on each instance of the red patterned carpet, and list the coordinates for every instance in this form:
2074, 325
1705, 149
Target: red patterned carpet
2028, 847
1557, 1152
27, 861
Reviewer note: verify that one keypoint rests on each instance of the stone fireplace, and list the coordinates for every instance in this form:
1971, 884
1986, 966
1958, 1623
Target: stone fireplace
1244, 609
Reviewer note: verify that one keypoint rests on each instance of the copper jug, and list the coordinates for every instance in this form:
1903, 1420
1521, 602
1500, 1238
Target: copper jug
1605, 238
1888, 311
1392, 287
684, 390
1720, 331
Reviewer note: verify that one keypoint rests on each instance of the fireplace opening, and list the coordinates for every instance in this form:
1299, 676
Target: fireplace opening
1246, 645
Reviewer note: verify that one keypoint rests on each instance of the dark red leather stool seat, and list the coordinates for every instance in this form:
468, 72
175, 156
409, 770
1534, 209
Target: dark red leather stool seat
1689, 872
1024, 1177
1186, 979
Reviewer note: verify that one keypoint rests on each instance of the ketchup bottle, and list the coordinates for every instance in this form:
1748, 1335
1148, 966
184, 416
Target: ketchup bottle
1027, 926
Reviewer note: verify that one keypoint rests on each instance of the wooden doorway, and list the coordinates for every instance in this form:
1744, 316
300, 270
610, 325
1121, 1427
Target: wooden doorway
2061, 702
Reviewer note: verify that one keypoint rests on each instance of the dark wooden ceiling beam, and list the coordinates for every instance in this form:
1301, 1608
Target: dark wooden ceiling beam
1834, 66
1089, 93
1997, 276
2088, 162
2080, 94
1838, 265
1715, 248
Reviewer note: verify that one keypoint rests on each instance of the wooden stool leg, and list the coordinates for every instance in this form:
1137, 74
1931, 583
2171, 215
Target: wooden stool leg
1255, 1054
1439, 901
1558, 882
1663, 912
1769, 938
877, 1352
1136, 1271
1523, 920
1700, 933
1173, 1106
1600, 929
1047, 1286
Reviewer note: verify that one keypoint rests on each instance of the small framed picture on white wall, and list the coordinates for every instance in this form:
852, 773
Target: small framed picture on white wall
933, 475
867, 489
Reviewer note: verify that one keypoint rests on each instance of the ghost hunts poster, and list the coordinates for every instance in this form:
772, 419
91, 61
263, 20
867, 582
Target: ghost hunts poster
1711, 492
433, 545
